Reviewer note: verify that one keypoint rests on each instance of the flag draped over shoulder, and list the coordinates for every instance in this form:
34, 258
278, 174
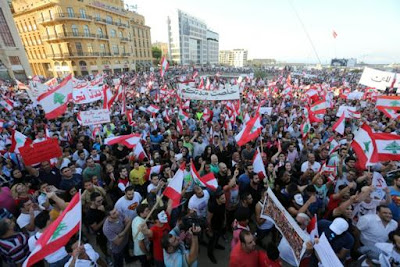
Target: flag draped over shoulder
58, 233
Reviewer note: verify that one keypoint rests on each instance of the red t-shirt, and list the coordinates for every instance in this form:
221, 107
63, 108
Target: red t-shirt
158, 233
240, 258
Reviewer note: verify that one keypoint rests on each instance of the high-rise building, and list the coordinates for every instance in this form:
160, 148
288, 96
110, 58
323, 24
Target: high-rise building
13, 61
82, 36
236, 57
190, 41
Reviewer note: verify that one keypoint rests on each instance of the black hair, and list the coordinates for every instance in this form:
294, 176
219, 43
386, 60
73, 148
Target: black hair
378, 209
243, 235
4, 226
141, 208
94, 195
272, 251
129, 188
41, 219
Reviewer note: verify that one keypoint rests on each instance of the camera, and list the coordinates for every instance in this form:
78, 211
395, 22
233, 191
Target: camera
189, 220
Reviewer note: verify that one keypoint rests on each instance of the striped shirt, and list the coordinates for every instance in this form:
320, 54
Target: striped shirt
14, 249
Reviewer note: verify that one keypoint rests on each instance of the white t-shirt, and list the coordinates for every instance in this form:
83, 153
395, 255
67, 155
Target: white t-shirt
199, 204
128, 207
151, 187
137, 251
52, 258
24, 219
315, 167
92, 254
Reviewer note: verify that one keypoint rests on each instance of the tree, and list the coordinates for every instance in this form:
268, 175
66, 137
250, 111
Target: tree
156, 53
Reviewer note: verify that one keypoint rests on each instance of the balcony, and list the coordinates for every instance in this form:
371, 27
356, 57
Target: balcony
124, 39
125, 54
63, 16
102, 36
84, 54
78, 55
121, 25
69, 35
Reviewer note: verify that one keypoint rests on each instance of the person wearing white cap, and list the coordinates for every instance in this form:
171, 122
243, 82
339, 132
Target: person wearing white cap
336, 232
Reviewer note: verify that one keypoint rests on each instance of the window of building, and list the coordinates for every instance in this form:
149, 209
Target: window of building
121, 35
78, 47
102, 48
14, 60
82, 13
70, 12
113, 33
98, 18
115, 49
74, 30
5, 32
99, 32
86, 31
90, 48
109, 19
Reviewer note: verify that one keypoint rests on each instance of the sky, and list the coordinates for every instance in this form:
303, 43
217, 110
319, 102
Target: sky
368, 30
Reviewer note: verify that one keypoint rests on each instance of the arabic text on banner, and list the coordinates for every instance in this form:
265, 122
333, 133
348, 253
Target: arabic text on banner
285, 223
379, 79
96, 116
228, 93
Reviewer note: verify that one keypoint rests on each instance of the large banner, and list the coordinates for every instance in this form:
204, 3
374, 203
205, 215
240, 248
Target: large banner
285, 223
39, 152
93, 117
379, 79
228, 93
87, 91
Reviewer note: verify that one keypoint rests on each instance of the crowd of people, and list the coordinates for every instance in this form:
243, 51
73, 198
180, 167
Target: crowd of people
127, 218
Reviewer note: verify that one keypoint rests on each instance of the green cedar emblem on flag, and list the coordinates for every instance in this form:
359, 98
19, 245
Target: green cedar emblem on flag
58, 98
392, 147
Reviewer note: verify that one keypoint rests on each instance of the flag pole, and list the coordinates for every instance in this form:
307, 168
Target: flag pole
80, 223
148, 216
261, 143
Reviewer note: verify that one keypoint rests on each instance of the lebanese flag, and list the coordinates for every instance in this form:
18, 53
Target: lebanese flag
195, 74
207, 114
312, 116
312, 228
319, 107
7, 104
305, 127
22, 86
149, 171
153, 109
18, 140
391, 102
129, 140
250, 132
179, 126
208, 84
334, 34
129, 116
207, 180
164, 66
364, 146
139, 152
312, 94
334, 145
166, 116
388, 146
258, 165
55, 101
174, 188
182, 115
391, 113
96, 132
58, 233
108, 97
201, 84
354, 114
186, 105
52, 82
340, 124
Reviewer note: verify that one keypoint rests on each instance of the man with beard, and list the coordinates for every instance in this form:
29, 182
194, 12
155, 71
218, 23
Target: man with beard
216, 218
128, 203
223, 175
199, 146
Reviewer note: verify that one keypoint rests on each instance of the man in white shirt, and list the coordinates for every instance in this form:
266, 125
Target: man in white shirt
57, 258
26, 219
128, 203
376, 227
310, 164
141, 245
198, 202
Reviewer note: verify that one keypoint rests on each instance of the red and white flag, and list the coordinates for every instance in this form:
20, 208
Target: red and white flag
319, 107
390, 102
22, 86
164, 66
58, 233
7, 103
153, 109
251, 131
334, 34
207, 114
258, 165
354, 114
391, 113
339, 126
18, 140
186, 105
174, 188
195, 74
129, 116
201, 84
179, 126
182, 115
139, 152
207, 180
364, 146
312, 228
208, 84
387, 146
55, 101
129, 140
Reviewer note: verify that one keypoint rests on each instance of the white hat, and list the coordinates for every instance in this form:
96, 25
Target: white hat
339, 226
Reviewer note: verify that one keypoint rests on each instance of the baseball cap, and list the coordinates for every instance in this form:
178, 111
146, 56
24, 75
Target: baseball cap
339, 226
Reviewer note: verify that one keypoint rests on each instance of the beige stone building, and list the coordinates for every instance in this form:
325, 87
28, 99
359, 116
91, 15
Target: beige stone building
82, 36
13, 61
